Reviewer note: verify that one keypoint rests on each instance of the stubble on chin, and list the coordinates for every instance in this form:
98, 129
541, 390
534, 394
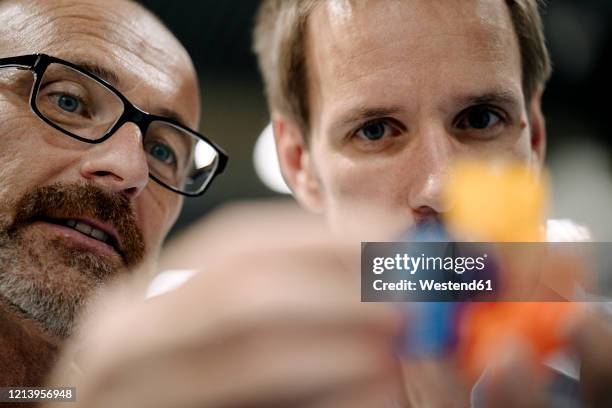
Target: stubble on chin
49, 279
45, 283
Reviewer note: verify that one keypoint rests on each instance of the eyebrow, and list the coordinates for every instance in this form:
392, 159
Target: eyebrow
175, 116
363, 114
112, 78
101, 72
501, 97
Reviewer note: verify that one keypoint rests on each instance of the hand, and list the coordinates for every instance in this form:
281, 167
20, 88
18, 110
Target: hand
274, 325
435, 383
591, 339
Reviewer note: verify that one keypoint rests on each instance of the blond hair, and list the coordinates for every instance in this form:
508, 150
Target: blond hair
280, 45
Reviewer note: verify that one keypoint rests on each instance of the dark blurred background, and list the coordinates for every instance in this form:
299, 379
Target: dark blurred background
218, 36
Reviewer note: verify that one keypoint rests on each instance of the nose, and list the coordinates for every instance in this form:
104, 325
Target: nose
119, 163
432, 154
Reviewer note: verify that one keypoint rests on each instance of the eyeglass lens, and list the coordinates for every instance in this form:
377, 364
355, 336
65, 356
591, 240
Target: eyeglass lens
86, 108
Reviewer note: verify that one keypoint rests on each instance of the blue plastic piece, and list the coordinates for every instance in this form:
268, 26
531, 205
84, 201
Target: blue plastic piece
431, 327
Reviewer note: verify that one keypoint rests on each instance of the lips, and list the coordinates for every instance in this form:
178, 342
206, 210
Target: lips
105, 220
92, 229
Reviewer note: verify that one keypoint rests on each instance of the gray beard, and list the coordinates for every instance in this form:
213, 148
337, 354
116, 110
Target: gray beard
50, 284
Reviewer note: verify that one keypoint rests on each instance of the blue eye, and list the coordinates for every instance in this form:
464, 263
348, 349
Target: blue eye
68, 103
373, 131
161, 152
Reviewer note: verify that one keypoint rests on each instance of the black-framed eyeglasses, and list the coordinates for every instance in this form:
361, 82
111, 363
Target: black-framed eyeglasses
87, 108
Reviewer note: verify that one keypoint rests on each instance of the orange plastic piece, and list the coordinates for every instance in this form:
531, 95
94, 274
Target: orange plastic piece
487, 327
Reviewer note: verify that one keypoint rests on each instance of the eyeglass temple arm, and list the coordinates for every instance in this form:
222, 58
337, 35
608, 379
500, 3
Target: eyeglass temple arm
23, 61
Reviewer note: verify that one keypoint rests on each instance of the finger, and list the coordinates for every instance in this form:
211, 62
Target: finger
512, 380
268, 369
591, 336
387, 392
434, 382
266, 288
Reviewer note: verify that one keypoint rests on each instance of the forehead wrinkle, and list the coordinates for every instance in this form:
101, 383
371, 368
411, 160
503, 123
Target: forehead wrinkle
16, 21
416, 56
484, 44
129, 82
134, 45
374, 19
488, 39
114, 29
58, 22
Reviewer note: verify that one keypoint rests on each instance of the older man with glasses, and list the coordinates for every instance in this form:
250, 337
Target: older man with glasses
96, 99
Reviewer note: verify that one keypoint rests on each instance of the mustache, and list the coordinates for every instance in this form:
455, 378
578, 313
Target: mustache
75, 200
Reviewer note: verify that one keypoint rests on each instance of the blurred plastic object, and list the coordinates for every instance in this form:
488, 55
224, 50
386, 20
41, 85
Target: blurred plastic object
496, 202
490, 202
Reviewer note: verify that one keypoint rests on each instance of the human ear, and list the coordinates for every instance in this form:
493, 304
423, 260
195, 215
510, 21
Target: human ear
296, 164
537, 125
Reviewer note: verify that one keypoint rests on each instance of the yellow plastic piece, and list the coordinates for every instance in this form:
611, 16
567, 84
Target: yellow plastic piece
496, 202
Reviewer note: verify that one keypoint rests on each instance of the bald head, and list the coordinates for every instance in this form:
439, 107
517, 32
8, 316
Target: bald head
119, 34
